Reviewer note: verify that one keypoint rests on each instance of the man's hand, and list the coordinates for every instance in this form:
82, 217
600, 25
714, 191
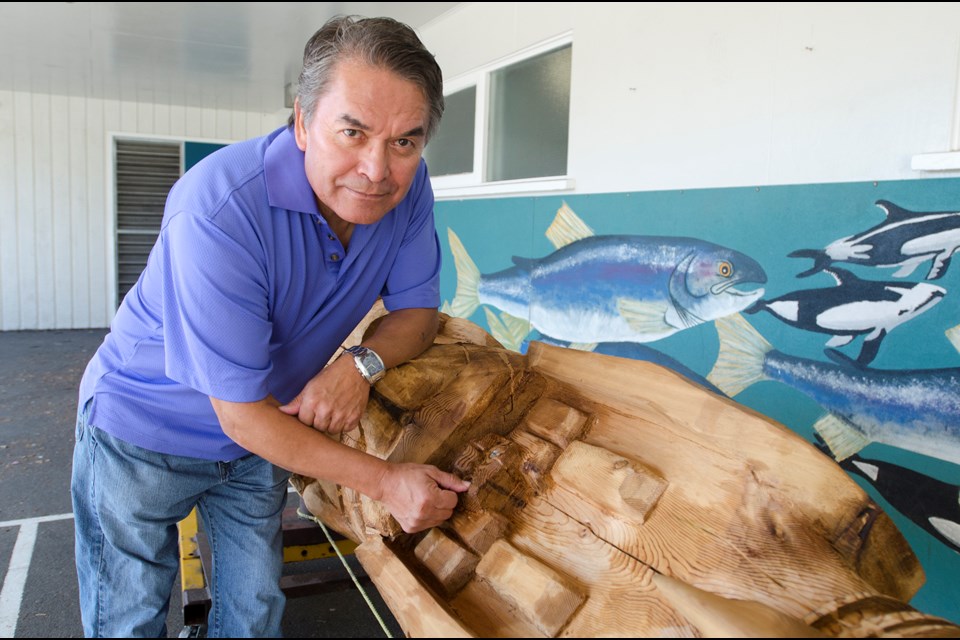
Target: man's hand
334, 400
419, 496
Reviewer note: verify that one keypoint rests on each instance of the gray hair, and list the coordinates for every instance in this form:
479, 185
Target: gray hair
380, 42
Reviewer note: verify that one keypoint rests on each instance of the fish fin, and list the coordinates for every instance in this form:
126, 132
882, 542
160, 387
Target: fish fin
953, 335
908, 267
508, 330
583, 346
947, 528
941, 263
675, 318
644, 317
842, 438
842, 358
839, 341
445, 308
518, 327
567, 227
526, 264
466, 299
679, 318
820, 260
895, 213
870, 348
740, 360
499, 331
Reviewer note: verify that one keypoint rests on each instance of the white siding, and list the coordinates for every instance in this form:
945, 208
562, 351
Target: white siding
9, 236
664, 96
696, 95
56, 229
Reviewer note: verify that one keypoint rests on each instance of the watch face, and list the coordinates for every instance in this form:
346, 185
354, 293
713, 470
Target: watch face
369, 363
372, 363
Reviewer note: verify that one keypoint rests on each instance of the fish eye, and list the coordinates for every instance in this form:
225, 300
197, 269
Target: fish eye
725, 269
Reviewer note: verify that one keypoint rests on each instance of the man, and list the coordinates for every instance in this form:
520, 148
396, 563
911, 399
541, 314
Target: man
206, 391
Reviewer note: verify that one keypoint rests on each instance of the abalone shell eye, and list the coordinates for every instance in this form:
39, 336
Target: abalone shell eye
725, 269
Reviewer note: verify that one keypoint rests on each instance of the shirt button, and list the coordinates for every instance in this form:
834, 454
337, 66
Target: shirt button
335, 257
330, 236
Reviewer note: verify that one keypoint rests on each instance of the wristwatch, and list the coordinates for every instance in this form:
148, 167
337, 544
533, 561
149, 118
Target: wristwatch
368, 363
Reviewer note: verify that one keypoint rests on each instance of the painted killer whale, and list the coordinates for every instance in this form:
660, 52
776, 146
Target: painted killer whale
930, 503
853, 308
905, 240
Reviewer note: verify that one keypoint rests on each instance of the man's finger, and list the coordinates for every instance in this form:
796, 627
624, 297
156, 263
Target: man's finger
321, 422
344, 427
446, 501
449, 481
293, 407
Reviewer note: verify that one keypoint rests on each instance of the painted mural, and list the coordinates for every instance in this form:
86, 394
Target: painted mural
718, 286
612, 288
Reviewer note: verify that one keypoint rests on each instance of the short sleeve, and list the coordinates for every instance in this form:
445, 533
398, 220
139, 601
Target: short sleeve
216, 325
414, 278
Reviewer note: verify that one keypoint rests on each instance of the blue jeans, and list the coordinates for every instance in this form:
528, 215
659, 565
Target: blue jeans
127, 502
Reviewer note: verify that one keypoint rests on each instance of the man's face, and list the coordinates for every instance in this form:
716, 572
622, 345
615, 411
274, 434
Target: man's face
363, 142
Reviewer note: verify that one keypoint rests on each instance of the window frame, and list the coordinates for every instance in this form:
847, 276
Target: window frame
112, 226
474, 184
944, 160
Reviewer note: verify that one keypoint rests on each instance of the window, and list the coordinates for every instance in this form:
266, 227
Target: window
451, 149
505, 128
144, 171
529, 118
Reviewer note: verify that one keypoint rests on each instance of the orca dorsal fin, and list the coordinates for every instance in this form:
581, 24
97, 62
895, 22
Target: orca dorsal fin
895, 212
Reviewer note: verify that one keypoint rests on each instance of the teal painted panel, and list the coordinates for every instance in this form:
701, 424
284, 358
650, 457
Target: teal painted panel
194, 152
892, 321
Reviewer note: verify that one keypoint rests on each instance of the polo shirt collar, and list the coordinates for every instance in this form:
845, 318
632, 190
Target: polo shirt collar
287, 186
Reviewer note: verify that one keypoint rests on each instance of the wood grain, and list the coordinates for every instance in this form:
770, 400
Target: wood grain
590, 476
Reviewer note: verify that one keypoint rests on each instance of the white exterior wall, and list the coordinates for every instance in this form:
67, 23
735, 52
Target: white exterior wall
664, 96
696, 95
56, 229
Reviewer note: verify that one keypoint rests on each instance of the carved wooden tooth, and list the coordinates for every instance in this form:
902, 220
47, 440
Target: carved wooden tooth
541, 595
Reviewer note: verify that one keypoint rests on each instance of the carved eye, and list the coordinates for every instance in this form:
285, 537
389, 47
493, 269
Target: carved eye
725, 269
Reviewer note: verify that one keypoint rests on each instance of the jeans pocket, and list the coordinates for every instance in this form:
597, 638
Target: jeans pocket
83, 416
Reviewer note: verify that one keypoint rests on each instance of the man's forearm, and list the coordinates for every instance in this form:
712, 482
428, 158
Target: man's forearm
259, 427
403, 334
417, 495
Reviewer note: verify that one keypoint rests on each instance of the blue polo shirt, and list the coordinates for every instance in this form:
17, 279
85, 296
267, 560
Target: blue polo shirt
246, 293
